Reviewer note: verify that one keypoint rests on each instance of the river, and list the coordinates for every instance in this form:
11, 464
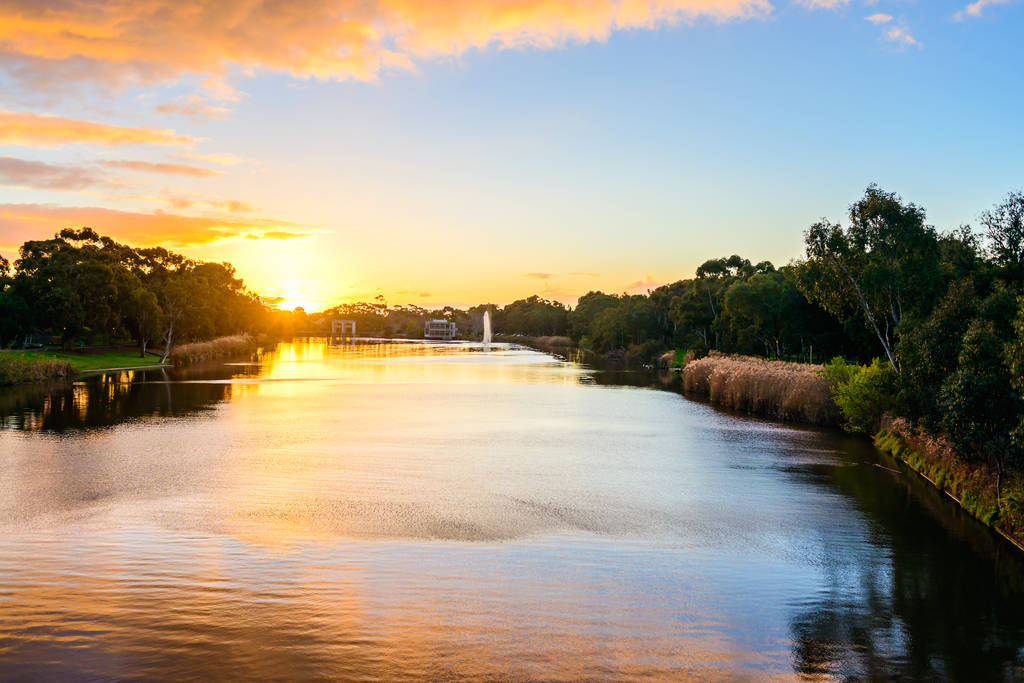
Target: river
382, 511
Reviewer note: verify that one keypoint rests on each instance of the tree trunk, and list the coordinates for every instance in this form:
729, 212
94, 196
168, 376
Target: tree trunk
142, 350
871, 318
168, 338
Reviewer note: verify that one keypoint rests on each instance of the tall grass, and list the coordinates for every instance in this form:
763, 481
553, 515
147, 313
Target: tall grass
222, 347
789, 391
19, 368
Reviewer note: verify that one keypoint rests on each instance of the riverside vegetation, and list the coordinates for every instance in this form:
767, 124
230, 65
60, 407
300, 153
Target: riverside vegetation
923, 326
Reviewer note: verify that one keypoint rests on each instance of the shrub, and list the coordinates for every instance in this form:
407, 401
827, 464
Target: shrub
862, 393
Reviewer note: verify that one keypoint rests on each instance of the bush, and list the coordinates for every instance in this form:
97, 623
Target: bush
863, 393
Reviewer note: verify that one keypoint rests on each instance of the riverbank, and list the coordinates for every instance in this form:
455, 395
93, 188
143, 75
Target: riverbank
973, 485
18, 367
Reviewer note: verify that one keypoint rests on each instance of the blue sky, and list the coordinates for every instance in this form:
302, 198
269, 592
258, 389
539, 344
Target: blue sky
562, 165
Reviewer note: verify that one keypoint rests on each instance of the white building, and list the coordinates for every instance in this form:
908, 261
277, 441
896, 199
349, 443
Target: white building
440, 329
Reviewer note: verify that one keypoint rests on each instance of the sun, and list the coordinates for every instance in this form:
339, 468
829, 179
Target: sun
290, 297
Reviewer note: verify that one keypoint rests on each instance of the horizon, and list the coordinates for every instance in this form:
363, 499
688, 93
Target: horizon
522, 147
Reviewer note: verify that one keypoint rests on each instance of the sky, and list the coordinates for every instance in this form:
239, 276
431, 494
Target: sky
457, 152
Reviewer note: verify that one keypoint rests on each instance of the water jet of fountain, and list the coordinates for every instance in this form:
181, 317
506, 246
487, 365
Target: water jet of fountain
487, 327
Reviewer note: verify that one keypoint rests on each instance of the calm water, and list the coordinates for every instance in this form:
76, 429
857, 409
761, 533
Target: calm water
384, 511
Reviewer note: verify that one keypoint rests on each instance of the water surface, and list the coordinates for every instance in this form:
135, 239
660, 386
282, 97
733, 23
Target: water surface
382, 511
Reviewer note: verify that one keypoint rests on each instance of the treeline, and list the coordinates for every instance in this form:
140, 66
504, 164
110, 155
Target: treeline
914, 322
533, 316
84, 288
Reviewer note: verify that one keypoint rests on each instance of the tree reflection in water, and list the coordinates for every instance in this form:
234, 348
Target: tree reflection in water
878, 616
110, 399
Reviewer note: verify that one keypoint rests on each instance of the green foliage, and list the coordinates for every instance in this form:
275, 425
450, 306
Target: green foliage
588, 308
17, 368
533, 316
882, 267
863, 393
83, 287
929, 350
761, 313
978, 403
1004, 227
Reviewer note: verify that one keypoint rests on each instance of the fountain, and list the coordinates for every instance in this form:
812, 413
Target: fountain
487, 327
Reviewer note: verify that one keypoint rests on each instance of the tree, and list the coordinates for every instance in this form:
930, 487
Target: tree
929, 350
762, 308
71, 282
144, 315
589, 306
1004, 228
180, 297
979, 405
884, 264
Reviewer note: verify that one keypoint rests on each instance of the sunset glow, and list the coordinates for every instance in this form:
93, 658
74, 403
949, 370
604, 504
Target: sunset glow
458, 152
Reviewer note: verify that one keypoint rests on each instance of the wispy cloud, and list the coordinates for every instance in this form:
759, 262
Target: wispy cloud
824, 4
974, 10
44, 130
879, 18
37, 174
151, 167
539, 276
194, 106
901, 37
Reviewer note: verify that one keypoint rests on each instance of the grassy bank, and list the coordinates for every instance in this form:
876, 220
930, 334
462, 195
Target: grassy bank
971, 484
222, 347
17, 368
789, 391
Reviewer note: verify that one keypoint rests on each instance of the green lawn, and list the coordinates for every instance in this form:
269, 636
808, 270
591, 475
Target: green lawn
91, 361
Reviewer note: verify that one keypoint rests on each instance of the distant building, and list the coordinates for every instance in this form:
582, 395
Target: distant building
343, 328
440, 329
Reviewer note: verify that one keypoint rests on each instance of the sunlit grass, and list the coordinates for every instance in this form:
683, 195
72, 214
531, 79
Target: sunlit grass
83, 362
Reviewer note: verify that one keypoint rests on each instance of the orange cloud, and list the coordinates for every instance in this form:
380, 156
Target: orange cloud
146, 41
20, 222
193, 106
23, 128
278, 235
150, 167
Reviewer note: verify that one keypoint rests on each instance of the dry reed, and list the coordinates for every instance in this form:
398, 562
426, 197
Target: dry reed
789, 391
235, 345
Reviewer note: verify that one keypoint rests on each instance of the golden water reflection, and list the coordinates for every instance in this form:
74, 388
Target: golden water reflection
442, 511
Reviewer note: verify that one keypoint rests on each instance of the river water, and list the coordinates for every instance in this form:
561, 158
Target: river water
442, 511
